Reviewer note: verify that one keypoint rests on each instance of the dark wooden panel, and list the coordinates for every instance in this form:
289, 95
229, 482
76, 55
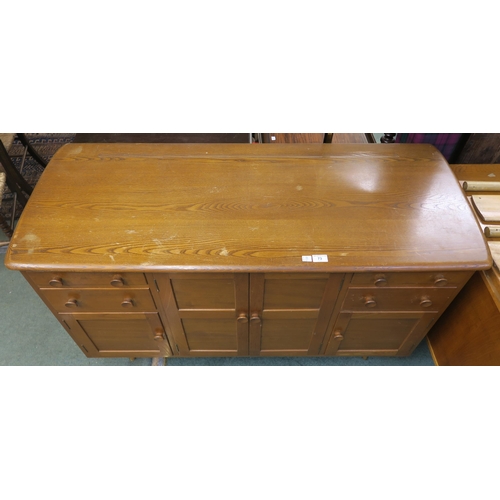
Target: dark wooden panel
164, 138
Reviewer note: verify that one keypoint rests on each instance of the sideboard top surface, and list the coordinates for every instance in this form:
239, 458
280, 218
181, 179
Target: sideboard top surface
244, 207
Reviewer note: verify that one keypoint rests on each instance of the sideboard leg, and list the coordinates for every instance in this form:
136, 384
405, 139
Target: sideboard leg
365, 357
159, 362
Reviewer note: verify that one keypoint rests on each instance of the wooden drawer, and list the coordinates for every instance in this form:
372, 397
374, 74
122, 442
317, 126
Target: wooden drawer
397, 299
436, 279
100, 300
81, 280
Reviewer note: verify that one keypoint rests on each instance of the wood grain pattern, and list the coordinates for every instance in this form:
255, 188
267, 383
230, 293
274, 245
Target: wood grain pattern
236, 208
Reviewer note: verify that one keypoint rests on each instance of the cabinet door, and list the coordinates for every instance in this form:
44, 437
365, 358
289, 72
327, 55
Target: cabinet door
289, 313
118, 335
207, 314
378, 333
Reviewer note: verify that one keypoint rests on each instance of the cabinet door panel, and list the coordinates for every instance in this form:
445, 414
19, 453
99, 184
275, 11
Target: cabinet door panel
289, 314
287, 334
111, 335
204, 294
211, 334
378, 334
293, 293
207, 314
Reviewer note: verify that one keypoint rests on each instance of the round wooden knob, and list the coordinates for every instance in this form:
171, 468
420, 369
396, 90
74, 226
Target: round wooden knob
255, 317
440, 280
158, 336
370, 301
337, 335
56, 282
380, 280
71, 303
242, 318
426, 302
128, 303
117, 281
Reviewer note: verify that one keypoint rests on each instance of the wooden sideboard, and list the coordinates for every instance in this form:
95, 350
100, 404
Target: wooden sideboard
247, 250
468, 333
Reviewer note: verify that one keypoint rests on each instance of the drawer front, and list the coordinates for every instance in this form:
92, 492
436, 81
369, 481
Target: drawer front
99, 300
397, 299
80, 280
435, 279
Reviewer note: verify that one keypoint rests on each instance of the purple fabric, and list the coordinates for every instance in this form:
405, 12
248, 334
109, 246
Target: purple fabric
446, 143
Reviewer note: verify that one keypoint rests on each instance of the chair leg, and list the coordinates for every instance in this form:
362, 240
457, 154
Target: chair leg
15, 181
5, 227
32, 151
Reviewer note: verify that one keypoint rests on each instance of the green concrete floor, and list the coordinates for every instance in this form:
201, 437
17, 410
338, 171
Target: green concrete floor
31, 336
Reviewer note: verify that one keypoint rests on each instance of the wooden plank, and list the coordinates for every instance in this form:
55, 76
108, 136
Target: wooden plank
487, 207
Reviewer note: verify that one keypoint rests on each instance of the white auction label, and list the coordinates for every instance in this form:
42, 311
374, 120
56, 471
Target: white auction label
320, 258
307, 258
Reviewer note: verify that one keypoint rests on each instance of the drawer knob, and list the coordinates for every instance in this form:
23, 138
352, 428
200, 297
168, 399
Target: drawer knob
255, 318
71, 303
380, 280
117, 281
370, 301
128, 303
242, 318
426, 302
56, 282
440, 280
159, 335
337, 335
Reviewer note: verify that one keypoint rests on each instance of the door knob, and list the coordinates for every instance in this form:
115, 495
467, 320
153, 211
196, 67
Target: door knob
242, 318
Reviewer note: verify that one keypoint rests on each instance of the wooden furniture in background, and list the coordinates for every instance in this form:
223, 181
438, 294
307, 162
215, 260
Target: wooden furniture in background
318, 138
468, 333
247, 250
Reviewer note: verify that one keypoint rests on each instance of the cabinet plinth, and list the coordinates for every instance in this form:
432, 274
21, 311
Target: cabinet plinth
247, 250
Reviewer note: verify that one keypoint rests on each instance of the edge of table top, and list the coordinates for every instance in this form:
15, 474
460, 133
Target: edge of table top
26, 255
